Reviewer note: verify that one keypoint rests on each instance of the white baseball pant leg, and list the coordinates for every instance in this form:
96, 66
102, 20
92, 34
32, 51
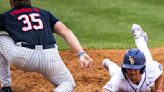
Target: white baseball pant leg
142, 45
5, 76
45, 61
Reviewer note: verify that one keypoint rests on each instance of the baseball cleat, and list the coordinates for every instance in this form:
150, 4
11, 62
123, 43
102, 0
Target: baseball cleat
105, 63
6, 89
138, 32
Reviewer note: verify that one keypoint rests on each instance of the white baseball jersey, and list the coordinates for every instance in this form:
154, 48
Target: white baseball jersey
118, 83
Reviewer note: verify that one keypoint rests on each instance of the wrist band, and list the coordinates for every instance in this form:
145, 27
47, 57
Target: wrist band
81, 54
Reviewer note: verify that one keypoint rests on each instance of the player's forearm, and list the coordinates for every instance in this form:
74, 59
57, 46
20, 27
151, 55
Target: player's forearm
69, 37
73, 42
159, 84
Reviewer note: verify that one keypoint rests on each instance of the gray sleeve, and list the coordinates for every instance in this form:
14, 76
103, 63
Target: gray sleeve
113, 84
154, 70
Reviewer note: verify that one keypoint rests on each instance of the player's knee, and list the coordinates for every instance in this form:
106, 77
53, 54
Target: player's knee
65, 87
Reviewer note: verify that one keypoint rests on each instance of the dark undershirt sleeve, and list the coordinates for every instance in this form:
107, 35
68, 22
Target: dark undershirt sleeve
2, 22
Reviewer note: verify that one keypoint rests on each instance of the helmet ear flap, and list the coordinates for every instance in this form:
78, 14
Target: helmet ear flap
124, 70
142, 70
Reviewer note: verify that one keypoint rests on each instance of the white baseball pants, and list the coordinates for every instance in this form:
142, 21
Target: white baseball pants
45, 61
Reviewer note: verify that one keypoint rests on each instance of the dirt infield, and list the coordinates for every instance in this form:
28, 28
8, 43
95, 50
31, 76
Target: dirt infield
87, 80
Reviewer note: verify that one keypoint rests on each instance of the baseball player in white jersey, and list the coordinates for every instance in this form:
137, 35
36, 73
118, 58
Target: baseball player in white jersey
32, 47
138, 71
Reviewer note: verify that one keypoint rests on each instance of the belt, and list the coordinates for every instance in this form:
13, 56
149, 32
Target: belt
34, 46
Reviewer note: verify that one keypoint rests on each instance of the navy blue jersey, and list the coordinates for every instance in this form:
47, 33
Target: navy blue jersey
29, 24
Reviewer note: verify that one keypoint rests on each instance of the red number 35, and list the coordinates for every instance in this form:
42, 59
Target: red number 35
29, 19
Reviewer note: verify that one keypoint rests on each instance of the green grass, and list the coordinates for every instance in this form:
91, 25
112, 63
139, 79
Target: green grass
103, 24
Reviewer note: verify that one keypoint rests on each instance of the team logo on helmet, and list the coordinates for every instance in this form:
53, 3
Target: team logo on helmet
131, 59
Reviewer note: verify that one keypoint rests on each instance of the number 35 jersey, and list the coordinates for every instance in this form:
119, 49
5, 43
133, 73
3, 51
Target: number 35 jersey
29, 24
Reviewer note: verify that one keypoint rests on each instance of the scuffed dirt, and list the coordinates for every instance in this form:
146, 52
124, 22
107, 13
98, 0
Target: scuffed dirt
87, 80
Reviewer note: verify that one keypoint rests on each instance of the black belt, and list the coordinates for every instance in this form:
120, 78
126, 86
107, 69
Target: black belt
33, 46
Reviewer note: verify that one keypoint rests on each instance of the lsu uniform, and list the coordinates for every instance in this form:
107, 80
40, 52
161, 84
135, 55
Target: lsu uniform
120, 83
